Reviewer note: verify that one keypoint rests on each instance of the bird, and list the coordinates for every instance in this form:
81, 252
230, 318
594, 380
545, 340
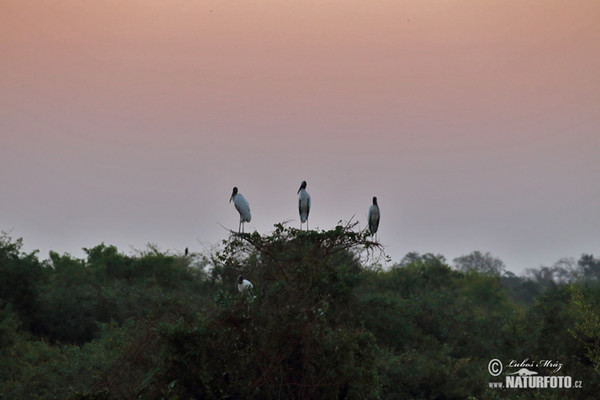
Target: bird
244, 285
374, 217
187, 251
303, 204
241, 204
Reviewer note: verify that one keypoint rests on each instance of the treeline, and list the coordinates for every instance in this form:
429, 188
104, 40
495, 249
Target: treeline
324, 321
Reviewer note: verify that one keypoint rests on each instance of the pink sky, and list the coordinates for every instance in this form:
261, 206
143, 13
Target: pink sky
474, 122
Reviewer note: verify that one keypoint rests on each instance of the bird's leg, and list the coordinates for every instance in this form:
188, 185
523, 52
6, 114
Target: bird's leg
240, 227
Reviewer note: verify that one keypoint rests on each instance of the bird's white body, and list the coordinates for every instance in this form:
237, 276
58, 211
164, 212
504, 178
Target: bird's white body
241, 204
244, 285
303, 204
373, 217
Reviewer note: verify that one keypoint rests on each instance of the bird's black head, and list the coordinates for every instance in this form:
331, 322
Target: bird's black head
302, 186
374, 200
240, 280
235, 191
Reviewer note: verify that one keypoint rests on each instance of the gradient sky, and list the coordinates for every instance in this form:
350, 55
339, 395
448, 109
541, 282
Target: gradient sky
475, 123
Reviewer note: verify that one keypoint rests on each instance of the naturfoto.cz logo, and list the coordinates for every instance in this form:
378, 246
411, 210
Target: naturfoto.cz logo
519, 375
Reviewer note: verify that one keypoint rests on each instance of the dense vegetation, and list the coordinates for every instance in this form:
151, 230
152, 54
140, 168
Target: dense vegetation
324, 321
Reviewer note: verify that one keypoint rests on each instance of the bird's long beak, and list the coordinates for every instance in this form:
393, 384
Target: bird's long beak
299, 190
230, 198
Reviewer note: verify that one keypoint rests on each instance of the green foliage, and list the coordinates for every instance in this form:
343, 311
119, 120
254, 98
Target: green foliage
437, 326
587, 325
590, 267
478, 262
324, 321
21, 276
71, 302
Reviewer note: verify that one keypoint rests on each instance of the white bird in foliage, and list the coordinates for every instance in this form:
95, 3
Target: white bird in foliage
373, 217
244, 285
303, 204
241, 204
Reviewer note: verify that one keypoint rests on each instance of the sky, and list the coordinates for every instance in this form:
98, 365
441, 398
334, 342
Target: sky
475, 123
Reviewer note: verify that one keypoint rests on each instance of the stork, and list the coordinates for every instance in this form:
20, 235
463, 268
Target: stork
244, 286
241, 204
303, 204
374, 217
